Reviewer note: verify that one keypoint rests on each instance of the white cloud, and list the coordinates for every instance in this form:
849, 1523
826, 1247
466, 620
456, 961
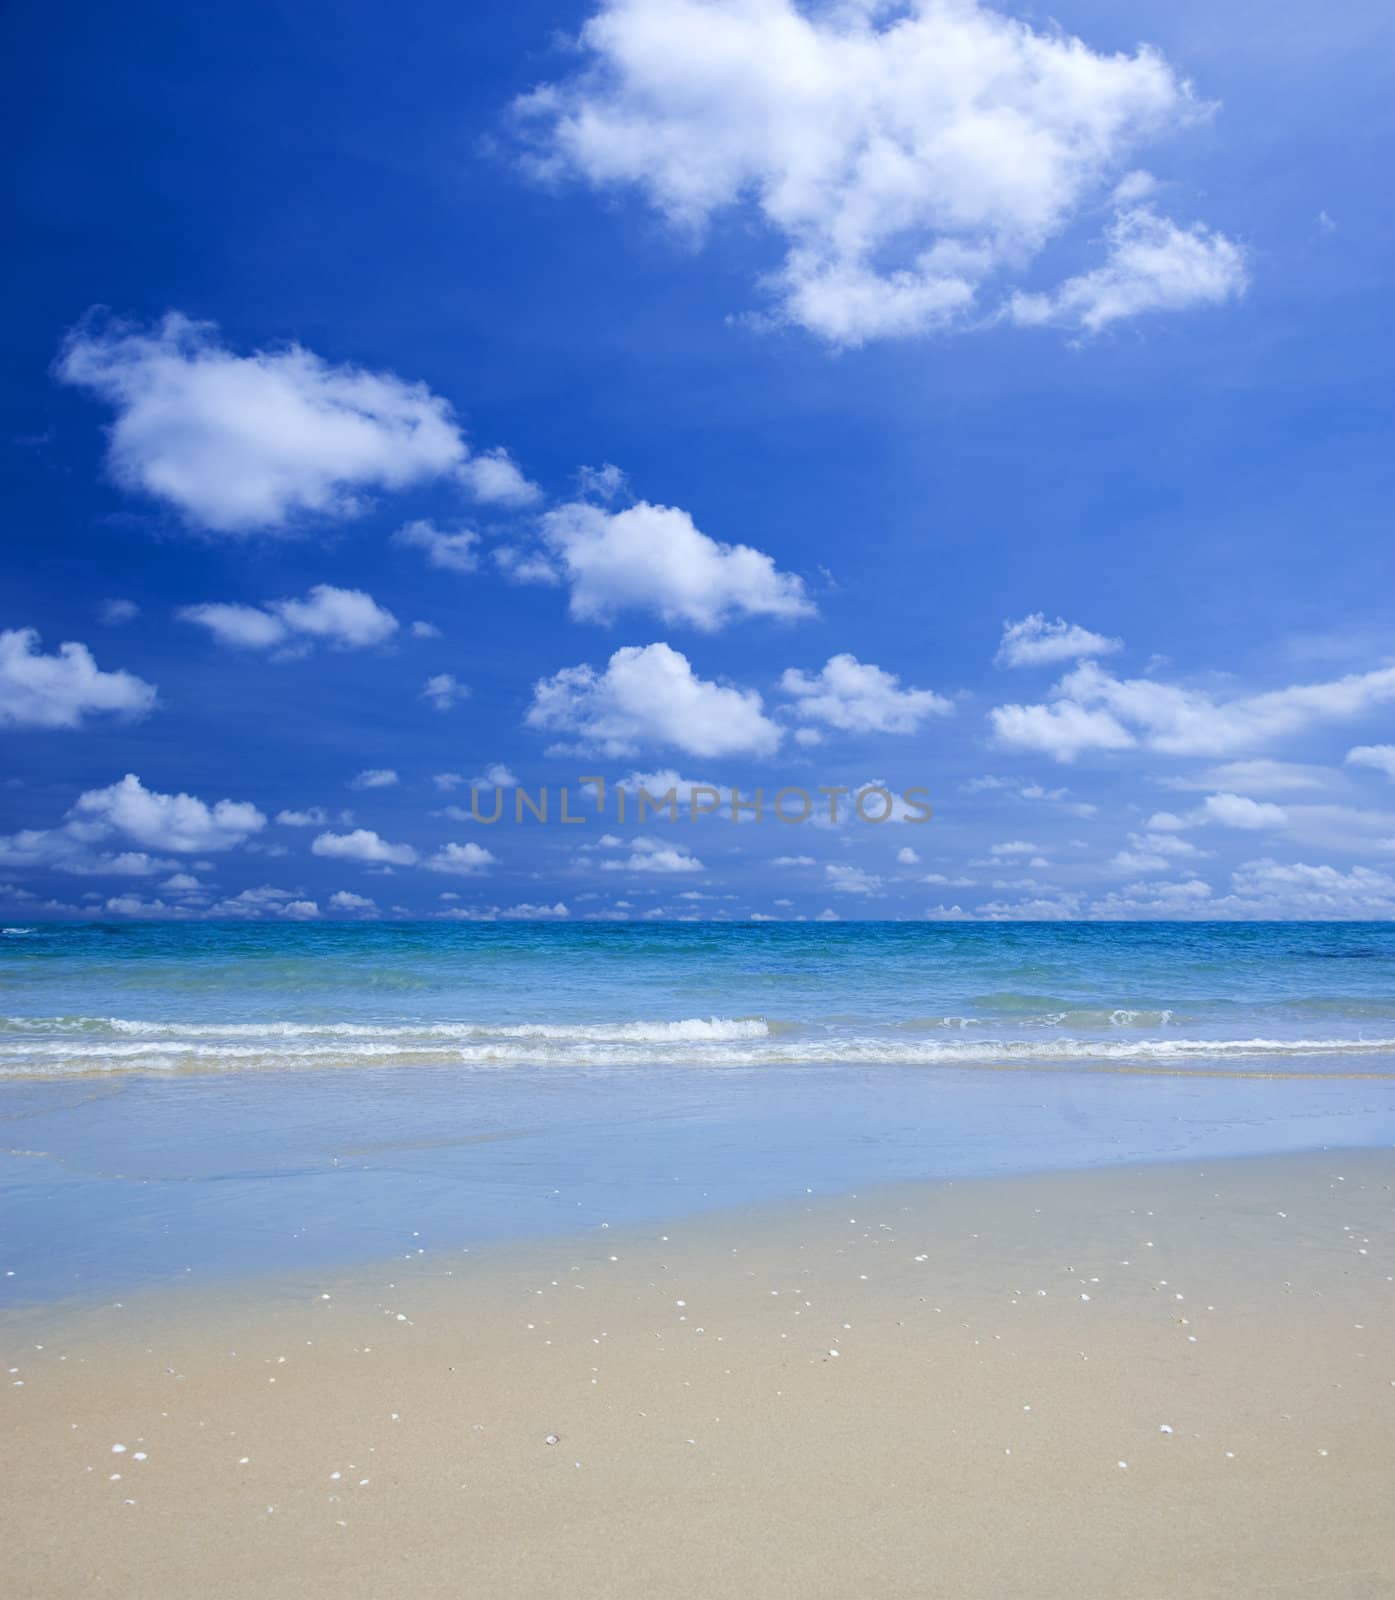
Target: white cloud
1092, 709
247, 627
1336, 827
468, 860
650, 695
904, 154
496, 776
362, 844
312, 817
343, 900
1166, 821
519, 913
1188, 722
1226, 809
444, 691
602, 483
345, 619
1133, 186
115, 613
1379, 756
1027, 789
425, 630
494, 478
131, 905
794, 861
1153, 852
526, 566
654, 558
1035, 642
857, 697
1239, 811
452, 552
58, 691
1151, 265
1301, 890
1062, 909
375, 778
1259, 776
1135, 861
239, 443
71, 849
250, 905
1167, 902
1260, 890
181, 823
653, 855
843, 879
266, 901
1061, 730
907, 857
178, 822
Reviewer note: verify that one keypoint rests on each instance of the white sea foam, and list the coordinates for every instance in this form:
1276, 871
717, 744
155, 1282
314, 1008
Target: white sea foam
687, 1030
63, 1046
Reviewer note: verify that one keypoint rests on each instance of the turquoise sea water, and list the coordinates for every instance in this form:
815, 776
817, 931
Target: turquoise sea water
167, 997
207, 1098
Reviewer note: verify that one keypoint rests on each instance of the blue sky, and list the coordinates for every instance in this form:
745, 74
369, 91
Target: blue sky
981, 399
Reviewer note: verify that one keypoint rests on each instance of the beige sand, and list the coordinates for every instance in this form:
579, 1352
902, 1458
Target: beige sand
1162, 1382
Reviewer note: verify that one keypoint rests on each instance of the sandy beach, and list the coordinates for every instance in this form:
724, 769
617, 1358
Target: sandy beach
1162, 1381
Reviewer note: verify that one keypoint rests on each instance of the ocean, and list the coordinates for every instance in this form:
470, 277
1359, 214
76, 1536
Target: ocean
107, 998
218, 1098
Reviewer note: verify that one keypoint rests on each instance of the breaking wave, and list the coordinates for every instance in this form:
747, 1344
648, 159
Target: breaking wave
44, 1047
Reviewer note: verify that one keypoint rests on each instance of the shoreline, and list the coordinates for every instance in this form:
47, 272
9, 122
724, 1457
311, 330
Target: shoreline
498, 1257
913, 1389
140, 1181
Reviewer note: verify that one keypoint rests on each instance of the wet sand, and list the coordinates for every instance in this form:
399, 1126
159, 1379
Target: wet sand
1154, 1382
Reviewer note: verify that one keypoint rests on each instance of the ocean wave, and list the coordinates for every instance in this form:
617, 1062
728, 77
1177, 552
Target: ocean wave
1082, 1017
688, 1030
59, 1047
